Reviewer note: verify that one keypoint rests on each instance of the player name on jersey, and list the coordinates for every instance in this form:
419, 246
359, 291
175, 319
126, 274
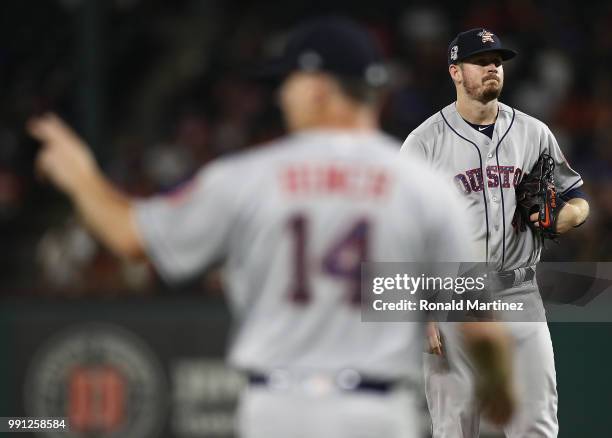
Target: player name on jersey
472, 180
335, 179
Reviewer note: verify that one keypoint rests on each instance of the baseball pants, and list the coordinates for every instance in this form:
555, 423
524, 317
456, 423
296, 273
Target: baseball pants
449, 379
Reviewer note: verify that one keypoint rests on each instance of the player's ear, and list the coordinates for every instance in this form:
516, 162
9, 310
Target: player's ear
455, 73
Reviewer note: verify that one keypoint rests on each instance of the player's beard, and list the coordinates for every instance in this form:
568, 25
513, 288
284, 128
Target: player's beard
485, 91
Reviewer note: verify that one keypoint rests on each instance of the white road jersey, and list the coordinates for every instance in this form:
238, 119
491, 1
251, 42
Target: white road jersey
486, 171
293, 220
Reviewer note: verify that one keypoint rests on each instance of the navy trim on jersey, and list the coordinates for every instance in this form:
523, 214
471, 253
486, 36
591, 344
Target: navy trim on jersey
501, 190
487, 129
573, 194
570, 188
484, 195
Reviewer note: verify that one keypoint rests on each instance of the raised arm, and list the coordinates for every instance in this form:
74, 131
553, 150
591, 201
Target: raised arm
66, 161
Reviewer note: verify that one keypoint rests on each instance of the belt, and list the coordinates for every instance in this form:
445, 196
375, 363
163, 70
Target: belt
358, 384
515, 277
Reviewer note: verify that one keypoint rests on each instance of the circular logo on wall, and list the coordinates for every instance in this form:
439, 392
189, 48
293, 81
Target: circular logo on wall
103, 378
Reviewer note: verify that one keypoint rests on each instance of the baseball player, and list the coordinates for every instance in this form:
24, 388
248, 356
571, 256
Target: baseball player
293, 222
485, 147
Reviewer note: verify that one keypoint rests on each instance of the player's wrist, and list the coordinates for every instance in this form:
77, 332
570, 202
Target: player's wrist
86, 183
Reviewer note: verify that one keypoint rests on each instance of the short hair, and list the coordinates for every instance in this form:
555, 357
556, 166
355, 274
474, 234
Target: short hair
360, 91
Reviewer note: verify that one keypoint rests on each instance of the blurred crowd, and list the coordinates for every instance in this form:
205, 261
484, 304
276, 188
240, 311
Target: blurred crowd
160, 88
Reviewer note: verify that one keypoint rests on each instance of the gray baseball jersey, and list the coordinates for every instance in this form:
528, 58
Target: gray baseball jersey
486, 171
293, 220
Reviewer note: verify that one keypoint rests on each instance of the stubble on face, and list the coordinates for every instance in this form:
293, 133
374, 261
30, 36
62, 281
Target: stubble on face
483, 89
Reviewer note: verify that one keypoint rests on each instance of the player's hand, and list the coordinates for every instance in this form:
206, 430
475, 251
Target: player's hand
434, 341
64, 157
566, 220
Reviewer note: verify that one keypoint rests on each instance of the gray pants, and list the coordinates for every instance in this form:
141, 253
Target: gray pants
269, 413
448, 379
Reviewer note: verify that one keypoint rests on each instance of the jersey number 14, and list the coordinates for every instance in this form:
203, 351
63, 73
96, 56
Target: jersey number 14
342, 260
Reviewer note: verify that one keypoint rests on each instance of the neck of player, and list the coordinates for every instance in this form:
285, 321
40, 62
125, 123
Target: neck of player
358, 118
335, 114
475, 111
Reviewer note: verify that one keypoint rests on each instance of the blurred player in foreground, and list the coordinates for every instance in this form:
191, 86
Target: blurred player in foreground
293, 221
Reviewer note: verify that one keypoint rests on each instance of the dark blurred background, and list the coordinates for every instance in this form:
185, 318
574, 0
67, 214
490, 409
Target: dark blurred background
159, 88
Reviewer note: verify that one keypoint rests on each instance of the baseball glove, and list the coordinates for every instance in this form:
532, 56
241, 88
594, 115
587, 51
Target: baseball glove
537, 194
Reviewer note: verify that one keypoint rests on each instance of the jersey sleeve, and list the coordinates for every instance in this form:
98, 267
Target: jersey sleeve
566, 178
414, 146
185, 231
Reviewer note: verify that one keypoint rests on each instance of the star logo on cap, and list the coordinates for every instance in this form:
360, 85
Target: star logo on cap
487, 37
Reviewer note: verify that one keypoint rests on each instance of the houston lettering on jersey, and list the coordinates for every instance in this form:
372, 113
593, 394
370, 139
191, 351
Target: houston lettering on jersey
472, 180
335, 179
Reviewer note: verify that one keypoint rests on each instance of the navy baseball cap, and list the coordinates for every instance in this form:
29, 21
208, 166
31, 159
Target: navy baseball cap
474, 41
335, 45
